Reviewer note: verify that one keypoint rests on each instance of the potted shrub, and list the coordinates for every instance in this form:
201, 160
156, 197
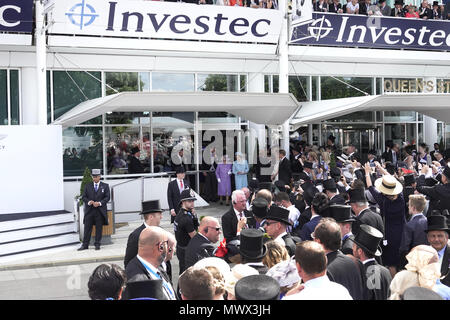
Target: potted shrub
78, 203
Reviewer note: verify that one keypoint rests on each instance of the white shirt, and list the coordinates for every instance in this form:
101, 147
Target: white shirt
368, 260
280, 239
154, 277
294, 214
321, 288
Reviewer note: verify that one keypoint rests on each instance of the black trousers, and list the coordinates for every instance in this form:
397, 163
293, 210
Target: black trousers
181, 253
93, 218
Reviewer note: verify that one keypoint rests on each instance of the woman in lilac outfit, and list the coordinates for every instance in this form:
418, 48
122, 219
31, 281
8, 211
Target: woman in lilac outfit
223, 174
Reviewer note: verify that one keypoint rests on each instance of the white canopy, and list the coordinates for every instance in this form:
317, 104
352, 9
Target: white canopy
435, 105
261, 108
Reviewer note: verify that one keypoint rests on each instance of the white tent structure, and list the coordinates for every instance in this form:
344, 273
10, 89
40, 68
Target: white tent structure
435, 105
261, 108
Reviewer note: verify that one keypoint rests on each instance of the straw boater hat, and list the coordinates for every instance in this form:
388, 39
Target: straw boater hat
388, 185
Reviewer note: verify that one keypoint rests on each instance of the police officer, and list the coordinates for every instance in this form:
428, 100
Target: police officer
185, 225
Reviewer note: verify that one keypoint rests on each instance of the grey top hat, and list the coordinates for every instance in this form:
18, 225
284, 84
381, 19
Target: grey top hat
257, 287
96, 172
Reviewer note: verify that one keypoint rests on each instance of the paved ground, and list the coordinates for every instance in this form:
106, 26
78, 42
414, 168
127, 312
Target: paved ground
63, 273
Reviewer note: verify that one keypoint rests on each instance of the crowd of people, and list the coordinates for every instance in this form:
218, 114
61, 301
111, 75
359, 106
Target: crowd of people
426, 10
327, 226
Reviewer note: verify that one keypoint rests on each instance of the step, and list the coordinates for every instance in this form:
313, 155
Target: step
38, 244
37, 232
36, 222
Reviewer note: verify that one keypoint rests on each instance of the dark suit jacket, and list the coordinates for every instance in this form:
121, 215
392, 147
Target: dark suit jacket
174, 196
337, 199
363, 9
387, 156
376, 281
414, 234
426, 13
445, 267
440, 193
229, 225
198, 248
305, 217
290, 244
347, 245
370, 218
102, 195
296, 166
341, 269
136, 271
284, 171
132, 245
334, 9
308, 228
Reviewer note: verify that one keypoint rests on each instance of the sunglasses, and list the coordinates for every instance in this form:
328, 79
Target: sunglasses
215, 228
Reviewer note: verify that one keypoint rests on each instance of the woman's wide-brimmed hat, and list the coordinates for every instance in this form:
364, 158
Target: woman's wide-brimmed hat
388, 185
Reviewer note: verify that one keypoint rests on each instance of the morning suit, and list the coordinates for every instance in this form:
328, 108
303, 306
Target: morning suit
413, 235
445, 267
440, 193
92, 215
308, 228
284, 171
132, 245
341, 269
229, 225
174, 195
376, 280
198, 248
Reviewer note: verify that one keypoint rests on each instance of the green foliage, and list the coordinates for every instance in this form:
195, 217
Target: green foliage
87, 178
332, 160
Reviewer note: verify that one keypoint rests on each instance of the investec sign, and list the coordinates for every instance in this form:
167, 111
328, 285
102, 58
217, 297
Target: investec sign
16, 16
373, 32
165, 20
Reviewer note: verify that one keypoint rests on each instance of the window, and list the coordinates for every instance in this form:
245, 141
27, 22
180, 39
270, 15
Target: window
180, 82
341, 87
9, 97
70, 88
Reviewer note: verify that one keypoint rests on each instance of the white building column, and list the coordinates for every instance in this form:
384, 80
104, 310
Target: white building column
41, 65
430, 124
256, 84
28, 93
284, 68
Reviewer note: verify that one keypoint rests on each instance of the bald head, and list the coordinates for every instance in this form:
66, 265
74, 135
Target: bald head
151, 236
208, 228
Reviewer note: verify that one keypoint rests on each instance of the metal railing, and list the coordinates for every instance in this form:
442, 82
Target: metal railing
142, 178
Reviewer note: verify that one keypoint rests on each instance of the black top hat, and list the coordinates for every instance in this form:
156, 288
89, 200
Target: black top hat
280, 185
251, 246
420, 293
329, 185
391, 168
435, 3
253, 184
259, 207
437, 223
308, 195
308, 165
257, 287
187, 195
357, 195
265, 185
145, 289
134, 150
372, 152
180, 169
341, 213
331, 138
369, 238
409, 179
278, 214
151, 206
335, 172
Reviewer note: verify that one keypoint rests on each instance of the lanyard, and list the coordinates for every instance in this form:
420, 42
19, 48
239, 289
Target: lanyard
171, 295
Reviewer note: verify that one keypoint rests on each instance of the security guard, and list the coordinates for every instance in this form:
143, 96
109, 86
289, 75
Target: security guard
185, 225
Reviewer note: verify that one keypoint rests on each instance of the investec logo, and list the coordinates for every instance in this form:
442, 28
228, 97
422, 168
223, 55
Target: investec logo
84, 14
373, 32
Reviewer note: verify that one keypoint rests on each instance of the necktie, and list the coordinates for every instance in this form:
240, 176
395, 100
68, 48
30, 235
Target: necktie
181, 185
96, 187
